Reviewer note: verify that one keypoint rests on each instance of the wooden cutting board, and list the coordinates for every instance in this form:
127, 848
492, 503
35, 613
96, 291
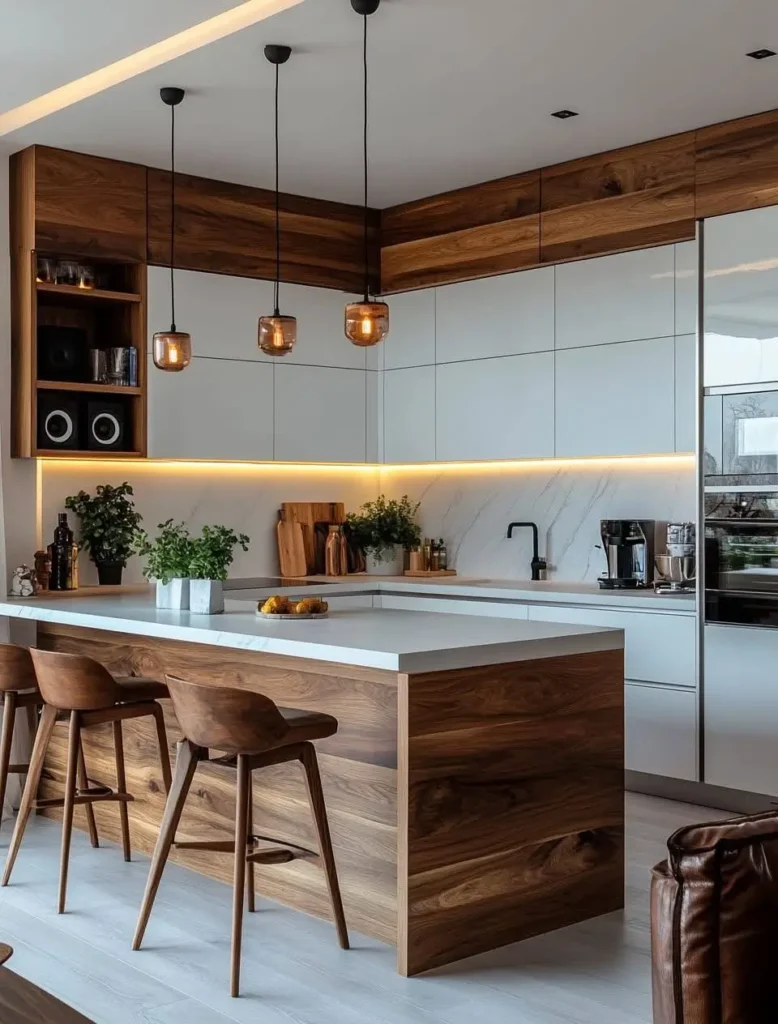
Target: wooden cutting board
307, 514
292, 559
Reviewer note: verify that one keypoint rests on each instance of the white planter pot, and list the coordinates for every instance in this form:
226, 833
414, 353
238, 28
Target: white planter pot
391, 563
174, 595
206, 597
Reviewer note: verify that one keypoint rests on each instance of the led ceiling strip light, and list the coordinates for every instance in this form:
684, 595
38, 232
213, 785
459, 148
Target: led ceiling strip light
225, 24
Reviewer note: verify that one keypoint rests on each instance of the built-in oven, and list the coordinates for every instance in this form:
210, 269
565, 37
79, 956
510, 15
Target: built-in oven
741, 436
741, 557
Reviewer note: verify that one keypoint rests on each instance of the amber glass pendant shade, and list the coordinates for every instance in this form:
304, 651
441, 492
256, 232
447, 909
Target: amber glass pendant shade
367, 323
277, 334
172, 350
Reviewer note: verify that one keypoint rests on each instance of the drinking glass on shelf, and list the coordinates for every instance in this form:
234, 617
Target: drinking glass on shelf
47, 270
86, 277
67, 272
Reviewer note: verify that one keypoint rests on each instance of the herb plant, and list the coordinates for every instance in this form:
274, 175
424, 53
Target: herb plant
212, 552
385, 523
169, 555
108, 522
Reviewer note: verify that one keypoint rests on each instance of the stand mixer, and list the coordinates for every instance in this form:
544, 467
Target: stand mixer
677, 570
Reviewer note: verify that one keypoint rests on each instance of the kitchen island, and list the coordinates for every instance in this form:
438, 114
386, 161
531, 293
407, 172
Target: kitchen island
475, 786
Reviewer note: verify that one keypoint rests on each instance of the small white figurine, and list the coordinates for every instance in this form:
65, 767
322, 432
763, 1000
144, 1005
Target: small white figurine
23, 582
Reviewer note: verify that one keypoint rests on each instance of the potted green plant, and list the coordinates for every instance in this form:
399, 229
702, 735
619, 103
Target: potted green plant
108, 525
167, 562
383, 529
211, 555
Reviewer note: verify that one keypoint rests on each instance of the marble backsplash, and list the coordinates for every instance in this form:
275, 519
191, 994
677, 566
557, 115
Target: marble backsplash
247, 498
471, 507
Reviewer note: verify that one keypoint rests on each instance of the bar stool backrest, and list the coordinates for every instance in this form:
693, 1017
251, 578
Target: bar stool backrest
71, 682
16, 670
225, 718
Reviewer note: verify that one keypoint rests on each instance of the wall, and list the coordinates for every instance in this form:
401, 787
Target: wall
471, 506
244, 497
18, 476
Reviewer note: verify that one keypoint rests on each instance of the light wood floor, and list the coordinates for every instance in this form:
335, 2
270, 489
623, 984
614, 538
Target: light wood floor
294, 972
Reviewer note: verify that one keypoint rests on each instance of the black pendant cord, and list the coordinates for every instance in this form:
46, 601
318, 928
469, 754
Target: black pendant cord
278, 214
172, 218
367, 239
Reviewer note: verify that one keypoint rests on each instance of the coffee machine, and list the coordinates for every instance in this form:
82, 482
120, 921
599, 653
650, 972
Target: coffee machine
629, 546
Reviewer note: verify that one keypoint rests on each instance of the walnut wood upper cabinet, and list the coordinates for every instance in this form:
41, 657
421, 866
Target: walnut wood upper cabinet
88, 206
472, 232
737, 165
230, 229
625, 199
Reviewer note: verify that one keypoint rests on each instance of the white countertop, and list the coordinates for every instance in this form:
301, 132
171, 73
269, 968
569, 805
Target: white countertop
548, 591
397, 641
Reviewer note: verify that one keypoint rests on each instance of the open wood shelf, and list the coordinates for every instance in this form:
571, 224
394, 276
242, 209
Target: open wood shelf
90, 294
79, 453
88, 387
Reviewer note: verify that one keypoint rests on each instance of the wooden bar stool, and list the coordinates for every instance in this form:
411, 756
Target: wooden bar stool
254, 733
19, 686
85, 693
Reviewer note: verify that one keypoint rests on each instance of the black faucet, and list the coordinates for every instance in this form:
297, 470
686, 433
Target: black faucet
538, 565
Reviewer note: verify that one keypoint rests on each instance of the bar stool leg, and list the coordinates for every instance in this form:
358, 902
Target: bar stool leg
74, 743
164, 751
6, 738
187, 757
83, 785
42, 738
121, 787
32, 720
319, 810
250, 889
239, 880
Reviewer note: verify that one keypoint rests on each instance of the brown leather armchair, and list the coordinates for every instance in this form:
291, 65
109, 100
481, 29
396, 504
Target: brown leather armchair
714, 924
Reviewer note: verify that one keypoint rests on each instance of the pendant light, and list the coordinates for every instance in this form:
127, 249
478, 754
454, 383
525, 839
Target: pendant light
173, 348
277, 333
367, 322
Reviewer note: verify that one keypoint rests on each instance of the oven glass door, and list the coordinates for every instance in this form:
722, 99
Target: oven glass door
741, 559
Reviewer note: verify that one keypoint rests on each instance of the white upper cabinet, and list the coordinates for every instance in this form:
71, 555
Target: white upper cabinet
687, 256
321, 338
496, 316
616, 399
495, 408
409, 415
616, 298
320, 414
218, 409
220, 312
741, 298
411, 340
686, 393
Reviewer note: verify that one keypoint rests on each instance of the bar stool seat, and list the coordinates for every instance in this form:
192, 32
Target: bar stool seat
18, 689
84, 692
245, 731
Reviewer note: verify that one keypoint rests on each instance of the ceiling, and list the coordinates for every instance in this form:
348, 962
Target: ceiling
461, 91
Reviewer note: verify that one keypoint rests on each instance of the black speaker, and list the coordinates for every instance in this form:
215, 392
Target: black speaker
106, 425
58, 421
63, 353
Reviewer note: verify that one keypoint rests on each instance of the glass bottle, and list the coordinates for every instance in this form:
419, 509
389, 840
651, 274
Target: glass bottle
62, 555
442, 555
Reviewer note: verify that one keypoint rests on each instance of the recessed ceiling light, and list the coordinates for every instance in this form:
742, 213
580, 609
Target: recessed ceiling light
761, 54
564, 114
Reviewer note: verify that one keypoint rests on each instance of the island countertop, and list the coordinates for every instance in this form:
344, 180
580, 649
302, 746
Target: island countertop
399, 641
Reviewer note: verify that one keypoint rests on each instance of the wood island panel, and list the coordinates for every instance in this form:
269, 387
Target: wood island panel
468, 808
511, 803
226, 228
624, 199
737, 165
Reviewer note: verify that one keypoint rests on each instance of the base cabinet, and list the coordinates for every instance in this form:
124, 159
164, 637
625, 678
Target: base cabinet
661, 731
741, 708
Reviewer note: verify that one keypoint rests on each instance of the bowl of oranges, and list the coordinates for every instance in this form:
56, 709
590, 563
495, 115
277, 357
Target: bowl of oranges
278, 607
